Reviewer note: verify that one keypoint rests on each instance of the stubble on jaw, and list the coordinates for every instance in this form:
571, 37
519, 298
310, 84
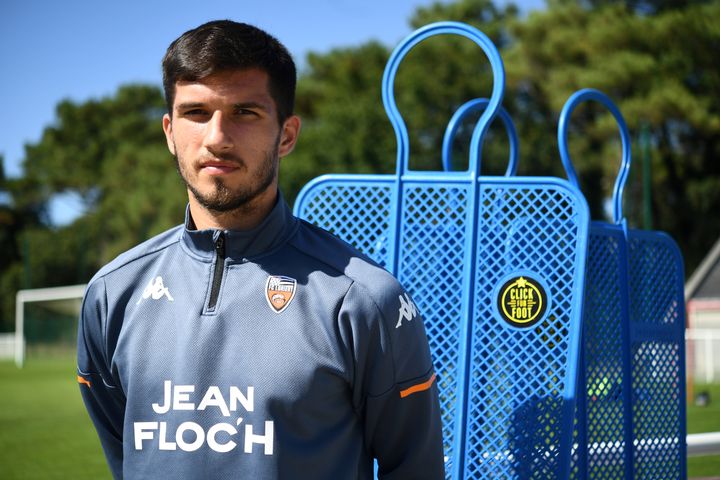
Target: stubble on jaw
223, 199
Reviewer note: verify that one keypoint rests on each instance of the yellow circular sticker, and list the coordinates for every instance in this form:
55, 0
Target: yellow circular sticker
522, 301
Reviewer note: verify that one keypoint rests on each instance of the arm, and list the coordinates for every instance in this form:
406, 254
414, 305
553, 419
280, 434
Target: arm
103, 398
394, 386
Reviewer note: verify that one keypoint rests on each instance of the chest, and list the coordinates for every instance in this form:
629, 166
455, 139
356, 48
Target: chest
244, 361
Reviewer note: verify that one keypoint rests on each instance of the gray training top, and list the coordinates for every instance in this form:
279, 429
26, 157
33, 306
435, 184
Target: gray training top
275, 353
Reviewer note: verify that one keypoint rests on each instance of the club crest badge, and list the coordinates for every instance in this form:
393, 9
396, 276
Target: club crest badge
279, 292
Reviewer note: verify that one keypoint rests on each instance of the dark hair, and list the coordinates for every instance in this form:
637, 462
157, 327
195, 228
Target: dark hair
223, 45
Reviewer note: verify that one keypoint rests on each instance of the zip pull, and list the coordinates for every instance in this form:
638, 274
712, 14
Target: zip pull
218, 271
220, 245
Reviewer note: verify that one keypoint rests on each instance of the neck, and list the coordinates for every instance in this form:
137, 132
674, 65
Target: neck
245, 217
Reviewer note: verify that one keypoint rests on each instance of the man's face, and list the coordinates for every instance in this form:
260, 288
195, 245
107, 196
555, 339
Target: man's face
226, 139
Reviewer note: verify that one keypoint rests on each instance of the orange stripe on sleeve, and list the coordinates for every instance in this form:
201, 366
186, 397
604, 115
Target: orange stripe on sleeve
420, 387
82, 380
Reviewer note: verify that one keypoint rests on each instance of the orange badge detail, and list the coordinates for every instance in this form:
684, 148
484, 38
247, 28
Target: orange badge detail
279, 292
83, 380
420, 387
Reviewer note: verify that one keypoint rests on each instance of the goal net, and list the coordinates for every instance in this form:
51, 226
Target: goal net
46, 321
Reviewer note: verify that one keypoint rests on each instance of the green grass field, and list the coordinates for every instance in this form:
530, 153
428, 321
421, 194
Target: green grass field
704, 419
46, 434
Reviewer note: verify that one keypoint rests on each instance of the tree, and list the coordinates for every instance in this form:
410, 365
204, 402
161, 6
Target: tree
668, 85
660, 71
344, 126
657, 64
643, 7
112, 153
15, 219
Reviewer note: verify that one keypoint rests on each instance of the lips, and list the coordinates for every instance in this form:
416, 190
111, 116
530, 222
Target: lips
218, 168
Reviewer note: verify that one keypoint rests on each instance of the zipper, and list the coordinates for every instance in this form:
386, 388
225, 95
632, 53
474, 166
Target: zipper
218, 272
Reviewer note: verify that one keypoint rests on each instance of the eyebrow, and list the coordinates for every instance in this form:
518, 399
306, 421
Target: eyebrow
248, 105
189, 105
237, 106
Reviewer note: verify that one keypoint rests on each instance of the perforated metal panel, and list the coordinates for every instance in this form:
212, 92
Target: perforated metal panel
630, 418
505, 412
357, 212
603, 420
430, 265
657, 329
522, 381
496, 266
633, 419
432, 256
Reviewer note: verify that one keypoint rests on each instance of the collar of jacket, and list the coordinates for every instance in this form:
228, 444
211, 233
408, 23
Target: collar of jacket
272, 232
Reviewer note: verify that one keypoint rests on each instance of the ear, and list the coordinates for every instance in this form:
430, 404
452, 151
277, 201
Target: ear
167, 128
289, 135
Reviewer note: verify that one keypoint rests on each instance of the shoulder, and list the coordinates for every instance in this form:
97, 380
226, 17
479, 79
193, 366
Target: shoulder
140, 252
120, 275
323, 246
374, 286
379, 312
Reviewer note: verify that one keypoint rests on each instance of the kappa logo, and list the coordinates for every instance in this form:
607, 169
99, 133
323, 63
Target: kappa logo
156, 290
407, 311
279, 292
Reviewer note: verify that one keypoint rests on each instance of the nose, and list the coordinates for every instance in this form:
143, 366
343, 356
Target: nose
217, 138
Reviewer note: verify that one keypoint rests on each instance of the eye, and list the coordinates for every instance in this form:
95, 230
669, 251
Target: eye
242, 112
195, 112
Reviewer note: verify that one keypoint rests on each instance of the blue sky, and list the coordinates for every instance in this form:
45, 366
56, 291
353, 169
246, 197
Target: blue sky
81, 49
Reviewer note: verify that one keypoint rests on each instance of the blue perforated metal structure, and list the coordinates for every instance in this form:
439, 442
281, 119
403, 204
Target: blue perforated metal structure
480, 104
657, 356
630, 412
454, 239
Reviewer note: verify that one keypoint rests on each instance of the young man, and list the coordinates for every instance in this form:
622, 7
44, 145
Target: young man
247, 343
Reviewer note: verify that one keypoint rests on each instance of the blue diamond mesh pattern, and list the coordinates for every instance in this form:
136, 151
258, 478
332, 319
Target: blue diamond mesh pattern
657, 448
657, 357
575, 451
432, 252
602, 454
654, 277
516, 417
359, 214
431, 262
516, 414
654, 371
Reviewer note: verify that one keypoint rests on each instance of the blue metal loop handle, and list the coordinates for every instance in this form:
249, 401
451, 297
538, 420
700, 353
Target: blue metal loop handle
455, 122
388, 95
572, 102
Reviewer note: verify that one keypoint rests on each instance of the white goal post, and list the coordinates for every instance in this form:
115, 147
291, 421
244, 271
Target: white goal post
38, 295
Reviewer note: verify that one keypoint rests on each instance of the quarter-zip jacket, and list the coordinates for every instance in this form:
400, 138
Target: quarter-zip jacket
275, 353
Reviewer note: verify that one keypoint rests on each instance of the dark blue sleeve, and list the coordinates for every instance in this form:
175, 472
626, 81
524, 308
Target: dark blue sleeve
102, 395
394, 386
